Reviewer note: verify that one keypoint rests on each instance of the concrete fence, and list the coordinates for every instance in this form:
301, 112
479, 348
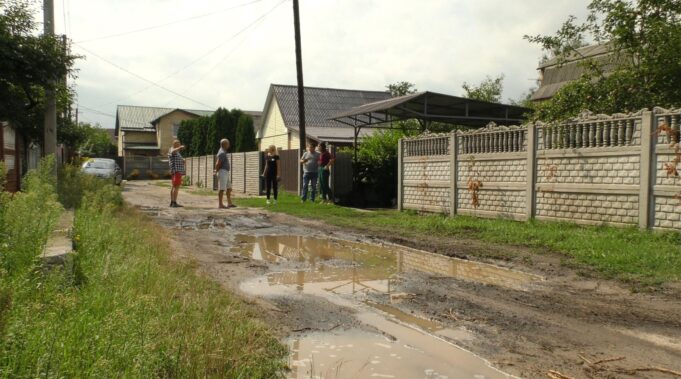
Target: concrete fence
596, 169
246, 169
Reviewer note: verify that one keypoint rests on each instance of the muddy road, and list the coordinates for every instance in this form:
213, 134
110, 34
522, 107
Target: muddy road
351, 305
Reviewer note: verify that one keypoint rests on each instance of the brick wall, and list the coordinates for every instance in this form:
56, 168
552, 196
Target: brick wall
594, 169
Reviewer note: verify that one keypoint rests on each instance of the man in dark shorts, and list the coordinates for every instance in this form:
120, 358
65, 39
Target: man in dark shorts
177, 170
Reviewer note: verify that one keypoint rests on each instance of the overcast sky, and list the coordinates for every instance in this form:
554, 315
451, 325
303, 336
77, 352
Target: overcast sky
231, 50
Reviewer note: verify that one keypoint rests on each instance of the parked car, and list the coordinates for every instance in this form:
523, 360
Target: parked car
103, 168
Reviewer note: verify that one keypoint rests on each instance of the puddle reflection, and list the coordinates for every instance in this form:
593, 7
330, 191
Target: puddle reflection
363, 267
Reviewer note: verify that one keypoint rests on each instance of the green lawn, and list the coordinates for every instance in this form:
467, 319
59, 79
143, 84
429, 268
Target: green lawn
627, 254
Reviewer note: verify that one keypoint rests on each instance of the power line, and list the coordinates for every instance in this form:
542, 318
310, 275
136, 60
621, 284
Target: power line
143, 78
168, 23
229, 53
255, 22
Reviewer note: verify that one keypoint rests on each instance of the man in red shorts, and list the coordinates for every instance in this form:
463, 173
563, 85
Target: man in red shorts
177, 170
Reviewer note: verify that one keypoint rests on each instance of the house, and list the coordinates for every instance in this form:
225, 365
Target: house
280, 115
150, 131
555, 73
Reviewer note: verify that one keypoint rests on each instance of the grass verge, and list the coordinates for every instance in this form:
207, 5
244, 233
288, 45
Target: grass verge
122, 307
628, 254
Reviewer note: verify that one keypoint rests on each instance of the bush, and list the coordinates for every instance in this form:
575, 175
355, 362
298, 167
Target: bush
134, 174
376, 166
73, 184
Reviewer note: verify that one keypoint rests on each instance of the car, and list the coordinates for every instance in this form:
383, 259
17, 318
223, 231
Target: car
103, 168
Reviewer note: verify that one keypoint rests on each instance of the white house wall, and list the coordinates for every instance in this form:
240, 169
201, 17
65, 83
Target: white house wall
274, 132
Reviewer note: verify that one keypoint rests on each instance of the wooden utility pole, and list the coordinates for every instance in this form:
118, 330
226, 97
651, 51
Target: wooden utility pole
299, 68
50, 131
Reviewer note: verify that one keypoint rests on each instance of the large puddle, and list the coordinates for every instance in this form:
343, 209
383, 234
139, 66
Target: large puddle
345, 273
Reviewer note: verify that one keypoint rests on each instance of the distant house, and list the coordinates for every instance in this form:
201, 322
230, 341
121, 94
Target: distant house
555, 73
280, 115
150, 131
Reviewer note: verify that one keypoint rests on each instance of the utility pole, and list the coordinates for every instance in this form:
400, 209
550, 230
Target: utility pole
50, 136
299, 68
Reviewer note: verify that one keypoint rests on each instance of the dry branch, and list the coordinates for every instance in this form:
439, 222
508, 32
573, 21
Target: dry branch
557, 375
658, 369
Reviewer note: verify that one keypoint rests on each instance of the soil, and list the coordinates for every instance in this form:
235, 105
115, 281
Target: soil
565, 320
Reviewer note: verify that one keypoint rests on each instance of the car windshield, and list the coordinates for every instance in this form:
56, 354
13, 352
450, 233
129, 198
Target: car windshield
100, 164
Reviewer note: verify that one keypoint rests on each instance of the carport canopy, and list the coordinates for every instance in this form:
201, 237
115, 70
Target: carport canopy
431, 107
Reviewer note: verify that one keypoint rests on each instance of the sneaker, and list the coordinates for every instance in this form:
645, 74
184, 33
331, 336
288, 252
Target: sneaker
275, 202
172, 204
268, 202
178, 205
231, 206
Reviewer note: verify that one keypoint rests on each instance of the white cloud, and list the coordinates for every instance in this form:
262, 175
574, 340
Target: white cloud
365, 44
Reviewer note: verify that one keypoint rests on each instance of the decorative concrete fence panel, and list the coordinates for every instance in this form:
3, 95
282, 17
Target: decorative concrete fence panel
616, 169
426, 173
666, 194
244, 170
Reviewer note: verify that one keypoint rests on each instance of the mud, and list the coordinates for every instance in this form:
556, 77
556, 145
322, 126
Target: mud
356, 305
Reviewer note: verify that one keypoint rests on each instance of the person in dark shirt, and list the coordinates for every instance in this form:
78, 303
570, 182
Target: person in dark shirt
326, 161
272, 173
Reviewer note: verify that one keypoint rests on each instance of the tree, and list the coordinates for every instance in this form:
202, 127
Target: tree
401, 88
198, 146
245, 135
185, 134
30, 63
644, 37
87, 139
489, 89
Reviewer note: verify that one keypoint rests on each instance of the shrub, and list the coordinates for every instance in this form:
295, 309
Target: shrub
73, 184
134, 174
153, 175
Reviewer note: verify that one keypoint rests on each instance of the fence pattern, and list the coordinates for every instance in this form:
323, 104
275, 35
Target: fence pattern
618, 169
245, 172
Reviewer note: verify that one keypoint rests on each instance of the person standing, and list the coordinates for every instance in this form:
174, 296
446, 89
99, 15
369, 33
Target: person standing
272, 173
326, 161
177, 170
310, 162
222, 171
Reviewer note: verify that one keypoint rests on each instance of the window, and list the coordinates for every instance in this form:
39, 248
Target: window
176, 127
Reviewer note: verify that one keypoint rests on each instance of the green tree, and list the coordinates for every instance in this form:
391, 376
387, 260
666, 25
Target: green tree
212, 136
489, 89
198, 146
644, 37
87, 139
185, 133
245, 135
30, 63
401, 88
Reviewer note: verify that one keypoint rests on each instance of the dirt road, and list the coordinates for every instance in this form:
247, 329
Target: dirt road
351, 305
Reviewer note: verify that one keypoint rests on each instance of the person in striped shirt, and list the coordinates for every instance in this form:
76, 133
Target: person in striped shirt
177, 170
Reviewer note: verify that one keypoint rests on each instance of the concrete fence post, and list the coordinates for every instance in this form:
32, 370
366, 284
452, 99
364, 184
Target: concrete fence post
243, 166
400, 174
531, 169
453, 172
646, 169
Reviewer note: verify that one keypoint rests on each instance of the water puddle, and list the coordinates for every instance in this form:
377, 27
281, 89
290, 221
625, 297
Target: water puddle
344, 273
365, 266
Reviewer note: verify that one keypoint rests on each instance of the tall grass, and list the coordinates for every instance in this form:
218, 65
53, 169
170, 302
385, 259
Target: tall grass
124, 308
627, 254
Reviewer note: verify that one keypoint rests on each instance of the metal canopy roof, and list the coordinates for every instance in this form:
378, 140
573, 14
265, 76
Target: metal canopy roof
432, 106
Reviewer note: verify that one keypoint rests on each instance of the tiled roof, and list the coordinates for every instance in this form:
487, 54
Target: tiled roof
131, 117
320, 103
